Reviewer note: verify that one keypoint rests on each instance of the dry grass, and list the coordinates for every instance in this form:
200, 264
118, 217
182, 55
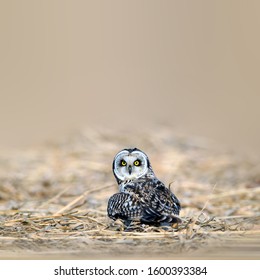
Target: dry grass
53, 200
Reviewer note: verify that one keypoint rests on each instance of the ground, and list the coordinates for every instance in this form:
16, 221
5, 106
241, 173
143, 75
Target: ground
53, 199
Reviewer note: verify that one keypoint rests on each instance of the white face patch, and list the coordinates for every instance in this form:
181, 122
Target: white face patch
129, 166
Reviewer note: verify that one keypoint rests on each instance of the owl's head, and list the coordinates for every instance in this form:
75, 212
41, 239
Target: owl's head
131, 164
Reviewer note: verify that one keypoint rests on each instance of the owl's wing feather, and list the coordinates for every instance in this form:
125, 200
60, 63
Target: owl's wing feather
124, 206
157, 202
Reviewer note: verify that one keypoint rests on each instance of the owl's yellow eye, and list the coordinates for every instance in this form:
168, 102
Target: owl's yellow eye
123, 162
137, 162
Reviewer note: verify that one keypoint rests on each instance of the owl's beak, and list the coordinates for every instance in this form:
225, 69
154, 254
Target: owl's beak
130, 169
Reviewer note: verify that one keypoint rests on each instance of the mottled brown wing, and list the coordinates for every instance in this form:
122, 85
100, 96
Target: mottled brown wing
124, 206
157, 202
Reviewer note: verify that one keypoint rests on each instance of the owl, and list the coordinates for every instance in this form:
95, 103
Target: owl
141, 197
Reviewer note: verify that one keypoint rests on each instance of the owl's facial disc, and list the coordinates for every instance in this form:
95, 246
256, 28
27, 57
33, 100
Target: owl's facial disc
130, 165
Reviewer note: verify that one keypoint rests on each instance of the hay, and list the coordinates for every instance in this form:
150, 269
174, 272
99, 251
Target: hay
53, 200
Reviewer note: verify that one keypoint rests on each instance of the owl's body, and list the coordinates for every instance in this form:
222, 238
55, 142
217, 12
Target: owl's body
142, 196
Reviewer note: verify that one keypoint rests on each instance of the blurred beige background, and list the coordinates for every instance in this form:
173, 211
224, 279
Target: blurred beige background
192, 64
